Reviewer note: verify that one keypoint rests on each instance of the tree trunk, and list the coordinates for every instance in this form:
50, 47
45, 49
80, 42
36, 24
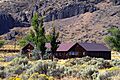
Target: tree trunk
53, 53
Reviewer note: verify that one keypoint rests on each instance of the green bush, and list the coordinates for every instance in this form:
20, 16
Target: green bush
19, 60
2, 59
37, 76
113, 40
2, 43
88, 72
115, 62
2, 74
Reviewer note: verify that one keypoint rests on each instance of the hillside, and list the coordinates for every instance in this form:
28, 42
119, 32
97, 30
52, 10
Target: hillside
78, 20
89, 27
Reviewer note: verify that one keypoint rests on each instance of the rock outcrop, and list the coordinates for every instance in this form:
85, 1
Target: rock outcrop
77, 20
22, 10
70, 11
6, 22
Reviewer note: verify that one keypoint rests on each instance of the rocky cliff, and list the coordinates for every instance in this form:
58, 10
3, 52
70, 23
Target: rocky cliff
75, 19
6, 22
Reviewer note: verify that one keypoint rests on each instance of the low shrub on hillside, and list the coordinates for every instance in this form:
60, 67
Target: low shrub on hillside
14, 78
115, 62
84, 68
2, 72
19, 60
2, 59
1, 43
37, 76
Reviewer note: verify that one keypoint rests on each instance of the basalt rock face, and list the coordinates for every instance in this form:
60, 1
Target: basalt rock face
62, 9
22, 10
115, 2
6, 22
70, 11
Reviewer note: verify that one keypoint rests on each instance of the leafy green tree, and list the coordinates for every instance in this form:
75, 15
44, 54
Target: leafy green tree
113, 40
26, 39
22, 42
53, 42
1, 43
38, 34
48, 38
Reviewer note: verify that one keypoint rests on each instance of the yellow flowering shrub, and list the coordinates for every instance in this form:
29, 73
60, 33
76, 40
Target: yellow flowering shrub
50, 78
14, 78
114, 68
46, 77
36, 76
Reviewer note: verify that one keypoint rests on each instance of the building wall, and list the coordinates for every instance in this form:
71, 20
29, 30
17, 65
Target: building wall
74, 52
27, 49
99, 54
78, 51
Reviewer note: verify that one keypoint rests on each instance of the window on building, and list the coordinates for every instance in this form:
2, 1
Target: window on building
73, 53
84, 53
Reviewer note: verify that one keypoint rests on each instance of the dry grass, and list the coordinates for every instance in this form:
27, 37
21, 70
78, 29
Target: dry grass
5, 63
68, 78
7, 54
10, 47
115, 55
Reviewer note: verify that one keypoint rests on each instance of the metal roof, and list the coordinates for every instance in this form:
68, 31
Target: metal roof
62, 46
94, 47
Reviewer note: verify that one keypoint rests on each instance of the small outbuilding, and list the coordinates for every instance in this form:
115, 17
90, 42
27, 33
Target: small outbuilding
27, 50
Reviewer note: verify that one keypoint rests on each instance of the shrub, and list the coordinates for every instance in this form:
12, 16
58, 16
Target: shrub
99, 63
58, 72
2, 60
115, 62
47, 67
17, 69
2, 67
2, 74
37, 76
113, 40
19, 60
1, 43
24, 76
109, 73
103, 65
40, 67
14, 78
35, 54
88, 72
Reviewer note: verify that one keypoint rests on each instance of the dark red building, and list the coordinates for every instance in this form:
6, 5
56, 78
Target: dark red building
74, 50
67, 50
95, 50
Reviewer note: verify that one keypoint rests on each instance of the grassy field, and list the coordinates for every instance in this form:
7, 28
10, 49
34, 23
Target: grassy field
7, 54
115, 55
